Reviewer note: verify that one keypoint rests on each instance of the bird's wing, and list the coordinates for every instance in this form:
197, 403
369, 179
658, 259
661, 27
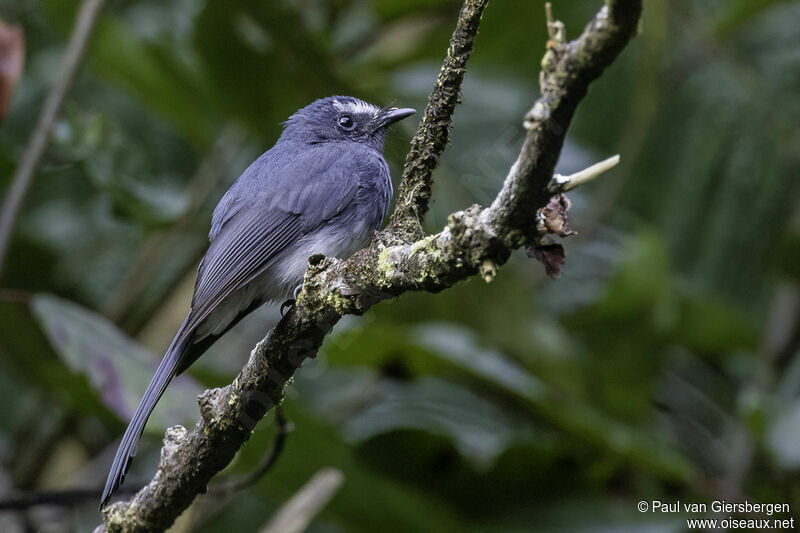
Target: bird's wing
273, 207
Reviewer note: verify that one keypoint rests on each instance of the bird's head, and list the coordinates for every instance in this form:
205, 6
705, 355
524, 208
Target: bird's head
342, 118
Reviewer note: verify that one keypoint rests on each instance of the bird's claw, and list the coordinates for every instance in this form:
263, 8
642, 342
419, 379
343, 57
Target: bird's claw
285, 306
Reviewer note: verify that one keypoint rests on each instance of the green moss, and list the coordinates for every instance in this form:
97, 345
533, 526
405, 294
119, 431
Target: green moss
424, 244
114, 516
340, 304
385, 264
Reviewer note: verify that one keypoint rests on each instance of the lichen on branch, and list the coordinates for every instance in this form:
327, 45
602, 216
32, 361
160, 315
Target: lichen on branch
568, 67
433, 132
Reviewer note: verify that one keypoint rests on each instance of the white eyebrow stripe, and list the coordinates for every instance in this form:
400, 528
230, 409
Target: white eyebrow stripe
356, 107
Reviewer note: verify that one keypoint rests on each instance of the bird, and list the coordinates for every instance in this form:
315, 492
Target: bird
323, 188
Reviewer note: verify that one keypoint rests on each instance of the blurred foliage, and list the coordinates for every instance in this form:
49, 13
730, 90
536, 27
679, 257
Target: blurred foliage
662, 365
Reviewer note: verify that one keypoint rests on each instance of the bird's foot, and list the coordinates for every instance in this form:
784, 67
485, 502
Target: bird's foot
288, 304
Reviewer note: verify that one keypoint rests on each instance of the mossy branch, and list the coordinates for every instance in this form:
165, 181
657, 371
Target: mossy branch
474, 241
433, 133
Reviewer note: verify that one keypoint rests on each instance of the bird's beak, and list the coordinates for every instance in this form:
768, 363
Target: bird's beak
392, 115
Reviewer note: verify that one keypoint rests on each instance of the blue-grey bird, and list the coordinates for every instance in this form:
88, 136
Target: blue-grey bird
323, 188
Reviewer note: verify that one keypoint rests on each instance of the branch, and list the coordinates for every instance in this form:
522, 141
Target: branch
474, 241
567, 70
433, 133
21, 182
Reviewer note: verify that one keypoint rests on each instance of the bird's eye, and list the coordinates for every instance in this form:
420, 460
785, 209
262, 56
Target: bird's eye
346, 122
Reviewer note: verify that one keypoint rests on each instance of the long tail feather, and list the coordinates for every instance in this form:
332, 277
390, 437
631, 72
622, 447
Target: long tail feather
127, 448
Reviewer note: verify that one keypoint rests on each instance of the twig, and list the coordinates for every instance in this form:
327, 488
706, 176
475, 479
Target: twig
561, 183
20, 183
244, 481
297, 513
334, 288
548, 17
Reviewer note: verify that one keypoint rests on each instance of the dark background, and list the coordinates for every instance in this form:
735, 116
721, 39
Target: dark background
662, 365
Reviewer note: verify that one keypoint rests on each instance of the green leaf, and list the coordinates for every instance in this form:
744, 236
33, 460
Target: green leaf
116, 367
32, 363
478, 428
567, 412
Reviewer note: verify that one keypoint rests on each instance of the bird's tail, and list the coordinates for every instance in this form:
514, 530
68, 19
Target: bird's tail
127, 448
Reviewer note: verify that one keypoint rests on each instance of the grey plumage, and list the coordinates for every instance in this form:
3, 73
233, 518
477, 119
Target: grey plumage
324, 187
